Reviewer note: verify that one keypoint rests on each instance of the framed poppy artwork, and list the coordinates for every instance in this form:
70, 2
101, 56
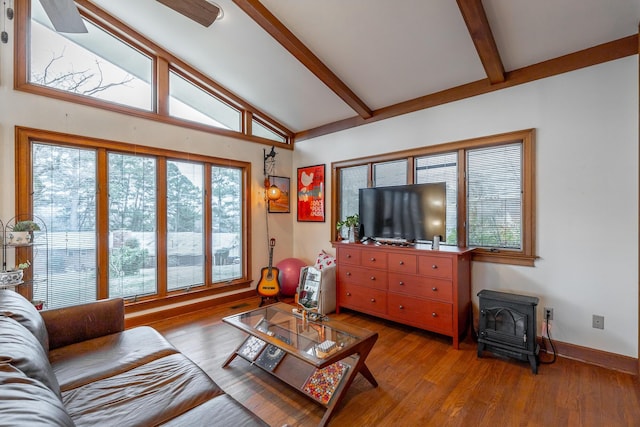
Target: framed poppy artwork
310, 185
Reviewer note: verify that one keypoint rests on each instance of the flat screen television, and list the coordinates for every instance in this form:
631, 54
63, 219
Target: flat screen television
413, 213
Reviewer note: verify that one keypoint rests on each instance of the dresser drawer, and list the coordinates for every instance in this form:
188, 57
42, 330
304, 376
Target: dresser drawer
403, 263
421, 286
374, 259
406, 309
439, 317
361, 298
368, 277
348, 256
433, 266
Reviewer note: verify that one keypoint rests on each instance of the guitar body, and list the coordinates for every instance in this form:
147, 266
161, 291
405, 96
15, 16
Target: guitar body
269, 285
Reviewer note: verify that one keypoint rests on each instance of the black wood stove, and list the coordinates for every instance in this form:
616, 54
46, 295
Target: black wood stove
507, 326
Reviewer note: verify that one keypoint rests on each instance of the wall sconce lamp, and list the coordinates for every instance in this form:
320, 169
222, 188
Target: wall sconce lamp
272, 191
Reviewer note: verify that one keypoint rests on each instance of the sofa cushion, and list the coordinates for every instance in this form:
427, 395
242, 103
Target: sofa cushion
146, 395
22, 350
78, 364
27, 402
228, 412
14, 305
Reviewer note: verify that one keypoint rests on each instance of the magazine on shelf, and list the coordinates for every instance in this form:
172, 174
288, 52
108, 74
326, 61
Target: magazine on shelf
251, 347
270, 357
324, 382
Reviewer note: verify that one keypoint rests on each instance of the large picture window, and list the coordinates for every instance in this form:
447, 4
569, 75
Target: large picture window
131, 225
492, 208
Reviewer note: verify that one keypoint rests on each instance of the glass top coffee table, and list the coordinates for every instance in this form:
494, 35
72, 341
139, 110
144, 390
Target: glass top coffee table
318, 358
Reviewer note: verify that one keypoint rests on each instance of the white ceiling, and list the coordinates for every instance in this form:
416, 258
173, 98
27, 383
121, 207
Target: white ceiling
386, 52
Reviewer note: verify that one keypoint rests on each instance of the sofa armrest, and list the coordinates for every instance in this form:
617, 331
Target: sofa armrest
82, 322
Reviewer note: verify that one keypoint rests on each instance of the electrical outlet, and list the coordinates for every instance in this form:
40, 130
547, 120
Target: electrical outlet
598, 322
548, 313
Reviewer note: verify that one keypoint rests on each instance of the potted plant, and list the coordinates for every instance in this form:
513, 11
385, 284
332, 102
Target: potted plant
351, 222
22, 232
13, 277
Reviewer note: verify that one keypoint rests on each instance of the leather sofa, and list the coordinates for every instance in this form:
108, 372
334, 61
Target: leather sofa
78, 366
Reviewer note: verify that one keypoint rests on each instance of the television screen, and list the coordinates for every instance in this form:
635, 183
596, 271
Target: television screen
407, 212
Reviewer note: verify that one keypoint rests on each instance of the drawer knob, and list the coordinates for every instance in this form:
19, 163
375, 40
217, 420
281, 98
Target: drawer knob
401, 307
348, 273
373, 300
401, 262
373, 277
434, 314
434, 266
434, 289
372, 259
348, 255
348, 294
401, 283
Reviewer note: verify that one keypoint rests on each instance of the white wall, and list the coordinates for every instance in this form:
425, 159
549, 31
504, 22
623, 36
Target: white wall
23, 109
587, 192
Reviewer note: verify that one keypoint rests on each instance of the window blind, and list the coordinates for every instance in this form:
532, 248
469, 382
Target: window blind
494, 197
442, 168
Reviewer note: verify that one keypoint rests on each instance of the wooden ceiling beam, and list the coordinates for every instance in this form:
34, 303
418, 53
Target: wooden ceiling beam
480, 31
289, 41
616, 49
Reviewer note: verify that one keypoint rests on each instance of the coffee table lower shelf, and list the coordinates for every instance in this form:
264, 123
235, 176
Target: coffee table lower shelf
326, 386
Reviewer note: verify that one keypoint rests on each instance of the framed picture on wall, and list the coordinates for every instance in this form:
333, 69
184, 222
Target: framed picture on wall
310, 186
281, 204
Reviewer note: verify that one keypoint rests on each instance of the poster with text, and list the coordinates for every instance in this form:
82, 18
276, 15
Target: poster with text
311, 193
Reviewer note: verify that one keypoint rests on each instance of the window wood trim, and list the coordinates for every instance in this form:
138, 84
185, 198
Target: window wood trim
24, 183
524, 257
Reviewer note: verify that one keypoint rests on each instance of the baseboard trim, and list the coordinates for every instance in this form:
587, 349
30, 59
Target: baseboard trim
145, 317
592, 356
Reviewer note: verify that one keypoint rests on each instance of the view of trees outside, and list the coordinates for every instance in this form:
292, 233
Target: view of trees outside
494, 200
86, 64
226, 211
185, 224
64, 196
98, 65
132, 225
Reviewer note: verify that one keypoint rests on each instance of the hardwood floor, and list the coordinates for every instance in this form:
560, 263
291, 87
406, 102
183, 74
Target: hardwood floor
422, 380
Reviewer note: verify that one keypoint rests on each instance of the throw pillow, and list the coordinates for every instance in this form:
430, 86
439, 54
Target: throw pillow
324, 260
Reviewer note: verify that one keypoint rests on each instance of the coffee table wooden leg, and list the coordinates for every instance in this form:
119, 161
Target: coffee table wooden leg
368, 375
229, 359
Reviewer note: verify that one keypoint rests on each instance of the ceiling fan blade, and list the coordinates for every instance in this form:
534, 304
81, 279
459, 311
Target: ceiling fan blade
201, 11
64, 16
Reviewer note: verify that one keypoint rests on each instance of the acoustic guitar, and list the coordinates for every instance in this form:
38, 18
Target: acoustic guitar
269, 285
